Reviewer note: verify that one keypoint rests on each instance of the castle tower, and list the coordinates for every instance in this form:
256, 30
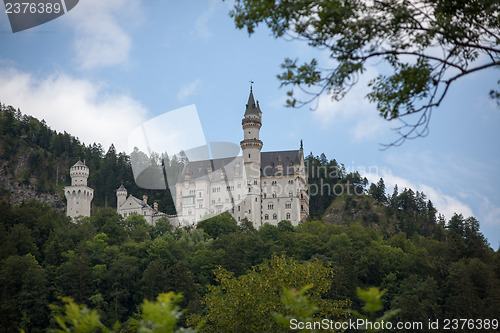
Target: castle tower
251, 147
121, 196
78, 195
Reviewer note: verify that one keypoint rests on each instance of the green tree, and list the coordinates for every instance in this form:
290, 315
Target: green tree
23, 295
401, 34
218, 225
246, 303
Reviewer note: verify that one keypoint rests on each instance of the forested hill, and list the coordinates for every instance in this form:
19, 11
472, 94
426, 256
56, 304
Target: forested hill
35, 162
231, 276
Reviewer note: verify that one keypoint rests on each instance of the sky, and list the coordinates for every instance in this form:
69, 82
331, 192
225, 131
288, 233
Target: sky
106, 67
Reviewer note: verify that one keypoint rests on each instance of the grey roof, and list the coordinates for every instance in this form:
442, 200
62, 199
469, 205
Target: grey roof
233, 167
139, 201
269, 161
121, 188
252, 108
79, 163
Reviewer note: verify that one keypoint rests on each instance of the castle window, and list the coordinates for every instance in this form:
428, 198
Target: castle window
273, 183
248, 155
249, 211
255, 199
238, 218
275, 216
266, 217
270, 206
290, 194
301, 207
265, 195
288, 205
290, 181
255, 181
274, 195
264, 183
287, 216
238, 208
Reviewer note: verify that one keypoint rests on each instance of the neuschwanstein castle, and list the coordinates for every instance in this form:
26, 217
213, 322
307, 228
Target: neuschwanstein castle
264, 187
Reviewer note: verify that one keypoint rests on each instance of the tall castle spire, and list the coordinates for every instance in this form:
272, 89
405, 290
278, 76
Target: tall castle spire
251, 147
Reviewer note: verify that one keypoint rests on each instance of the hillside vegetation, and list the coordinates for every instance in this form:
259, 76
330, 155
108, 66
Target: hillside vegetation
231, 276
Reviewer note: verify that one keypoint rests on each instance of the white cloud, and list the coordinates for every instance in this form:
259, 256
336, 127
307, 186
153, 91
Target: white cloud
201, 25
79, 107
489, 212
188, 90
101, 37
445, 204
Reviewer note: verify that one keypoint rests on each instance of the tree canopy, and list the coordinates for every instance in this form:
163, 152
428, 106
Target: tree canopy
425, 44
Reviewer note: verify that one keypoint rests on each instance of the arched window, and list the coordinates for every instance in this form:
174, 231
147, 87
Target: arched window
288, 216
270, 206
275, 216
266, 217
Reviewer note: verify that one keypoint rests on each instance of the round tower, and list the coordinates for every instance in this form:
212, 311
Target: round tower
78, 196
121, 196
79, 174
251, 147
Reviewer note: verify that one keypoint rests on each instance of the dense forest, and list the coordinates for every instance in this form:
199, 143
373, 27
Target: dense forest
232, 278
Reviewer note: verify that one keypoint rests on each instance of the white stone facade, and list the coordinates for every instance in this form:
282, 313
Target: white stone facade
127, 206
78, 196
264, 187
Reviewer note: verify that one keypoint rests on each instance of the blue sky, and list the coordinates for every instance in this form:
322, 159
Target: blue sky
107, 66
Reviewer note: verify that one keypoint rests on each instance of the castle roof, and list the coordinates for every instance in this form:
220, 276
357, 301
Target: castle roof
79, 163
121, 188
252, 108
233, 167
270, 160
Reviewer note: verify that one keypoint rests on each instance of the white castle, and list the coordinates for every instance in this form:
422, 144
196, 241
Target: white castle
127, 206
264, 187
78, 195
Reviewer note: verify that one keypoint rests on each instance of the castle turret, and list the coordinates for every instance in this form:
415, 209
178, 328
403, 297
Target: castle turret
251, 147
121, 196
78, 196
